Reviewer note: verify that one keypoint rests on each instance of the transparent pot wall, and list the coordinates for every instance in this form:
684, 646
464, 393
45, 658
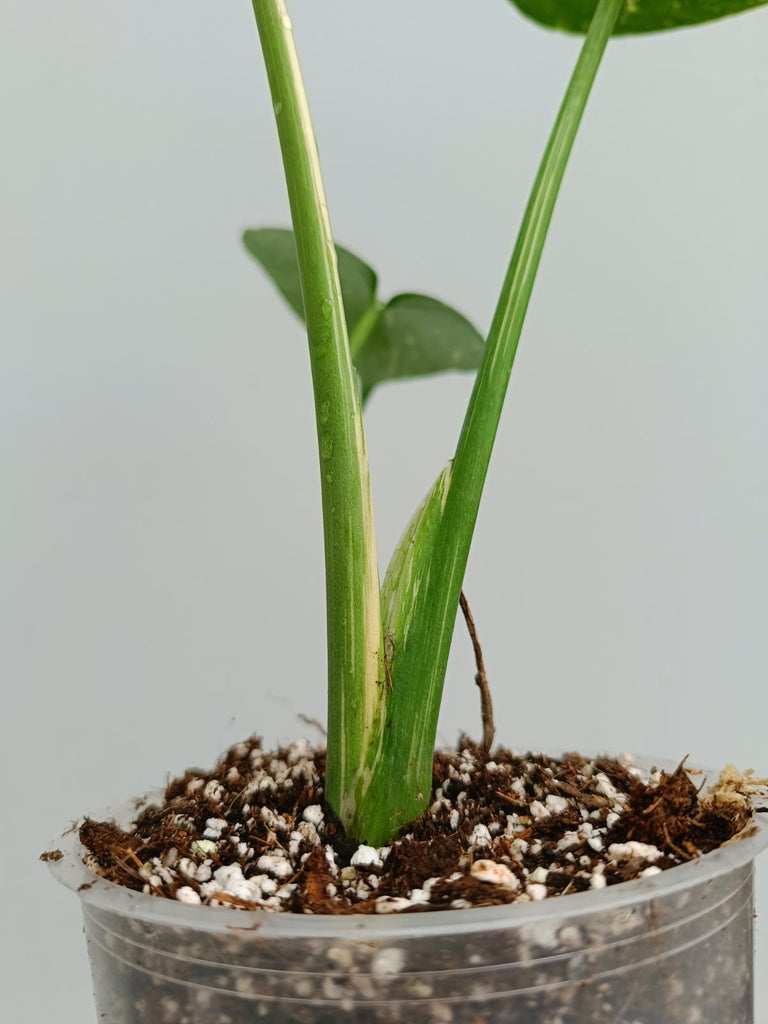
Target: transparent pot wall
672, 949
681, 957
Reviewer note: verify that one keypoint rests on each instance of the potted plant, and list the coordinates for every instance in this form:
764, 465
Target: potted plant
667, 946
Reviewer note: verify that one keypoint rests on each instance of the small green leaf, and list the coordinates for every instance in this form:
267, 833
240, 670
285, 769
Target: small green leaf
275, 249
410, 560
416, 335
410, 336
637, 16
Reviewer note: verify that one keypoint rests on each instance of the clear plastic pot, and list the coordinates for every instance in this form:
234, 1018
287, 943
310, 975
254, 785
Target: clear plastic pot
676, 948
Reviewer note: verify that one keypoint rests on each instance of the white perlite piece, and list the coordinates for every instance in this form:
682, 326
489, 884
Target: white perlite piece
170, 857
229, 881
294, 842
480, 837
391, 904
187, 895
626, 851
268, 885
518, 788
330, 857
213, 791
557, 804
538, 810
496, 874
313, 814
341, 956
598, 879
275, 865
536, 891
606, 788
418, 897
194, 871
518, 848
213, 828
365, 857
308, 830
299, 750
388, 961
568, 842
270, 819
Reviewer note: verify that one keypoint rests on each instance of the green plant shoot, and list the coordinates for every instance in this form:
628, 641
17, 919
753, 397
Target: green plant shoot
388, 649
355, 652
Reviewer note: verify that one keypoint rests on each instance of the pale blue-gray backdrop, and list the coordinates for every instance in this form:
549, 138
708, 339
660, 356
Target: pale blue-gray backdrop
161, 579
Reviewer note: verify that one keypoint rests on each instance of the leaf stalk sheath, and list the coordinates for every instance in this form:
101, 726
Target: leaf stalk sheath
355, 701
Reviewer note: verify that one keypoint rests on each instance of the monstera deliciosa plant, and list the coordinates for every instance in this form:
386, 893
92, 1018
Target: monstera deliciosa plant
388, 642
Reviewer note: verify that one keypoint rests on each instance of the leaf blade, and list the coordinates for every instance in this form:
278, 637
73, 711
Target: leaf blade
406, 743
639, 17
416, 335
412, 335
275, 250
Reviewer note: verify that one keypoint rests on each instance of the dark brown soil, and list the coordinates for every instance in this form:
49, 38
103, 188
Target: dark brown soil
499, 829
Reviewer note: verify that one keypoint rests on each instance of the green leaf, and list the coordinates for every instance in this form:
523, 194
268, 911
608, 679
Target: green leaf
398, 777
275, 249
411, 336
416, 335
637, 15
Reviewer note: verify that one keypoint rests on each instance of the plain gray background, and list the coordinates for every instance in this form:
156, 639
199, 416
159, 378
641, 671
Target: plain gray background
161, 583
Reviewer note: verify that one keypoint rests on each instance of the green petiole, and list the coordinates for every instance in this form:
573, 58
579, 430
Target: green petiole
386, 665
438, 550
355, 659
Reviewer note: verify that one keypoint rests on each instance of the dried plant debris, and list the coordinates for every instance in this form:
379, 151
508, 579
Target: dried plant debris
735, 789
51, 855
256, 833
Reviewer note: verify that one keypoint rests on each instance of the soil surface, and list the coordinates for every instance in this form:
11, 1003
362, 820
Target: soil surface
256, 832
